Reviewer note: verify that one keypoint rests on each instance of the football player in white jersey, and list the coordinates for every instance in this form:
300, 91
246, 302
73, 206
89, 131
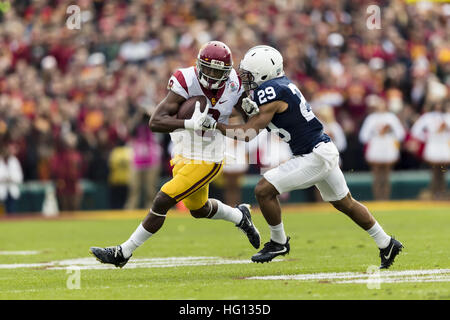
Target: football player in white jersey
196, 161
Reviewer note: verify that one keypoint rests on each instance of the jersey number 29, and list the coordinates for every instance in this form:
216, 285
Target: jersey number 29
266, 94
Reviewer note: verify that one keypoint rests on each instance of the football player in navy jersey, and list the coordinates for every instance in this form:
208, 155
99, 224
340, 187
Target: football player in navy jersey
277, 104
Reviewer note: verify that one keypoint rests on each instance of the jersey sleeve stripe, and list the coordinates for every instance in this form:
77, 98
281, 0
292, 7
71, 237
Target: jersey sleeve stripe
180, 77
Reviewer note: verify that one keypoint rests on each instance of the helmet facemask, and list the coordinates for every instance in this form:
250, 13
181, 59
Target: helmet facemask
248, 80
214, 74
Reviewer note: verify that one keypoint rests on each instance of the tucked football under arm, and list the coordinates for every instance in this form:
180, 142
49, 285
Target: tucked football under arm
255, 124
163, 120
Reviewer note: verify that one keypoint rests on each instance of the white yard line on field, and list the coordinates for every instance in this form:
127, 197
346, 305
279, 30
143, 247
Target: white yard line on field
432, 278
19, 253
92, 263
432, 275
349, 275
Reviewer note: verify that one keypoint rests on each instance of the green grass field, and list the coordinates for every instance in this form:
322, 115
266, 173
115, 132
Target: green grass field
322, 241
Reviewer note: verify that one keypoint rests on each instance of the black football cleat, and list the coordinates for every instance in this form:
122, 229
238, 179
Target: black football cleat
246, 225
389, 253
271, 250
112, 255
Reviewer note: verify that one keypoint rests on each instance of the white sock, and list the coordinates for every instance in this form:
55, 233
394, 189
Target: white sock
227, 213
381, 238
277, 233
137, 238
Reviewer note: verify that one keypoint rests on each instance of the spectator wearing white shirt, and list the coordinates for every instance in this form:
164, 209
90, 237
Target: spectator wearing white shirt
11, 176
331, 127
433, 129
136, 50
382, 133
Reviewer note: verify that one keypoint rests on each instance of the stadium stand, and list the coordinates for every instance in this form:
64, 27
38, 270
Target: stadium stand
91, 81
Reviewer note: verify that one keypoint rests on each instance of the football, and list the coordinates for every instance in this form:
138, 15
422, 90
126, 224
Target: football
187, 108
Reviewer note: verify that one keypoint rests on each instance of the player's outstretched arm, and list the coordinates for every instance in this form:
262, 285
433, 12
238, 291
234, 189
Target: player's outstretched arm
255, 124
163, 119
237, 108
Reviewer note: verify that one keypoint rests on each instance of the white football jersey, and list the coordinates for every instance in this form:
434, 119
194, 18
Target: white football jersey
433, 128
208, 146
382, 147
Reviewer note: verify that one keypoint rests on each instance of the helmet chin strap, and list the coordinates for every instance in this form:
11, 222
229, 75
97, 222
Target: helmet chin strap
208, 85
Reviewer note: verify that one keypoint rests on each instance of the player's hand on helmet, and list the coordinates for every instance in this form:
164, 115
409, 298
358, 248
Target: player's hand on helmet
250, 107
197, 119
209, 123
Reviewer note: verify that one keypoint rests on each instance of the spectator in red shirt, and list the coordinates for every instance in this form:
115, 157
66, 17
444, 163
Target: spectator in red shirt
66, 171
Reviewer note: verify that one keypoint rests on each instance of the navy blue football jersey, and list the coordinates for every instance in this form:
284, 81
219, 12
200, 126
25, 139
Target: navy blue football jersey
297, 125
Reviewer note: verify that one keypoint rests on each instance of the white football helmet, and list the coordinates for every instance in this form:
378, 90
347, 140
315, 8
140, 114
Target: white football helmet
260, 63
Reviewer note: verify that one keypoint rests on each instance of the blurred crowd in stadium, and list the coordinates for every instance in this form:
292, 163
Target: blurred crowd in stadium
73, 102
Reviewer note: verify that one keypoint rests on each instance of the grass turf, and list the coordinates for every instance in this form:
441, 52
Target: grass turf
321, 241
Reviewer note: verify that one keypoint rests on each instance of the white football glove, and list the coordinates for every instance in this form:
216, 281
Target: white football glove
250, 107
197, 119
209, 123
